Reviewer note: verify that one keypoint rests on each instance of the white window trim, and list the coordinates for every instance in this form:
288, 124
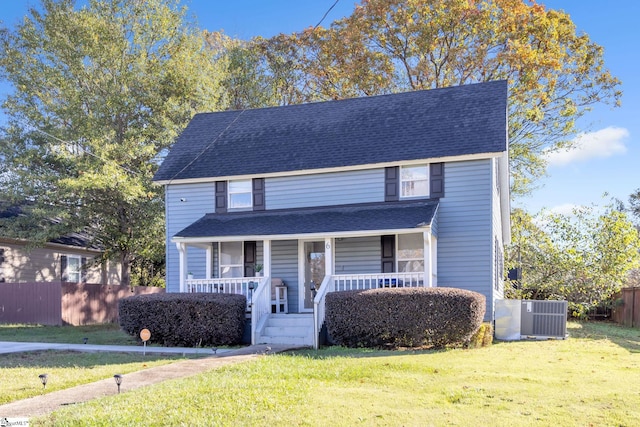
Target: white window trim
402, 196
69, 272
230, 194
221, 265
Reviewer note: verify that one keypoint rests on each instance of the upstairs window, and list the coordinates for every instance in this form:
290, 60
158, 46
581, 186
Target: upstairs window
240, 194
414, 181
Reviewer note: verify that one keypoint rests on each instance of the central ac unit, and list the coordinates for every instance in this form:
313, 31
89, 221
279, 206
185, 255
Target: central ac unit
530, 319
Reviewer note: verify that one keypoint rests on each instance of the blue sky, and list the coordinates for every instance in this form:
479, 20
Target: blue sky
609, 154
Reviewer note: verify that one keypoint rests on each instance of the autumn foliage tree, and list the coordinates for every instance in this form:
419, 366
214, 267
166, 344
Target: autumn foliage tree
555, 73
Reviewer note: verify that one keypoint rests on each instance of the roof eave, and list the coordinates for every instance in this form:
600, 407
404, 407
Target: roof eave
445, 159
301, 236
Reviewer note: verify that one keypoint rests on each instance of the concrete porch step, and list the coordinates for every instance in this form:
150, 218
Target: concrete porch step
293, 329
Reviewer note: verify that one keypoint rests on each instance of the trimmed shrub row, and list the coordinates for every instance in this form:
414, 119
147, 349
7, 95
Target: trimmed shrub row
191, 320
403, 317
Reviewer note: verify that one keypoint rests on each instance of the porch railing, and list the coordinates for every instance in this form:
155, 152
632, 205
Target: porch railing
347, 282
237, 285
260, 308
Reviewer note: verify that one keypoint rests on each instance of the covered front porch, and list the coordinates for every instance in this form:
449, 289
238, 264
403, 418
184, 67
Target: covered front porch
282, 275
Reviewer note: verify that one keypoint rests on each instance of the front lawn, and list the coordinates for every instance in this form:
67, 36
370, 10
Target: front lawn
589, 379
19, 371
108, 333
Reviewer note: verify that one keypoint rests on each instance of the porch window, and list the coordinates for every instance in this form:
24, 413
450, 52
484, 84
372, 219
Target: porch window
231, 264
240, 194
414, 181
410, 253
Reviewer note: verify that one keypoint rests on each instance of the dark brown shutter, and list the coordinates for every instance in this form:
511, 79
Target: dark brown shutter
83, 270
250, 258
258, 194
63, 268
391, 184
221, 196
388, 253
436, 180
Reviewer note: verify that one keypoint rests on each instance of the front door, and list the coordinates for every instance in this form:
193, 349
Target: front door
313, 269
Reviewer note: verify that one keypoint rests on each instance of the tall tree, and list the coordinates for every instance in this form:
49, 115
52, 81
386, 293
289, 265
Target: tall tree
555, 73
100, 90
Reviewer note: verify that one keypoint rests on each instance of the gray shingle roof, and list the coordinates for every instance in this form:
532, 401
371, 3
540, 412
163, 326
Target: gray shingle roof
360, 217
453, 121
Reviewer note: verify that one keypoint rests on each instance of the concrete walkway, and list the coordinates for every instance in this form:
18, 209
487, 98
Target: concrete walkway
49, 402
19, 347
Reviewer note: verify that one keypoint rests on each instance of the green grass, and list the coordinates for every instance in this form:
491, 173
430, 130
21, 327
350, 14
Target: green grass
19, 371
590, 379
109, 333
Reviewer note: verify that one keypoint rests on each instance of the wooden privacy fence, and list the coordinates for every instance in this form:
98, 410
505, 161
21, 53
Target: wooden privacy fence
627, 311
55, 303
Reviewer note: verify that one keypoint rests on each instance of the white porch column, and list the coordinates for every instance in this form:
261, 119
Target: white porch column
328, 256
182, 250
428, 259
266, 254
209, 262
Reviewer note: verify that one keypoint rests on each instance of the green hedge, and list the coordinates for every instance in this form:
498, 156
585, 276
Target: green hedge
190, 320
403, 317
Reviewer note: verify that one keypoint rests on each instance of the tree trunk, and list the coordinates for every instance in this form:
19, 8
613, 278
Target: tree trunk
125, 269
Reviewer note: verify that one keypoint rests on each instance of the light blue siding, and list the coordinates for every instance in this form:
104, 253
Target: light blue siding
465, 235
198, 199
325, 189
284, 265
358, 255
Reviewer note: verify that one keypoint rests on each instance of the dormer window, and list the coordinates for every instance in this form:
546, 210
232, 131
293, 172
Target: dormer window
240, 194
414, 181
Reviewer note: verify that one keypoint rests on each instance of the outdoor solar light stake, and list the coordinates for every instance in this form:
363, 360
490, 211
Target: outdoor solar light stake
43, 380
118, 379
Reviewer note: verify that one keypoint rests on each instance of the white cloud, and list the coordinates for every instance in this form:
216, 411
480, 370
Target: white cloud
565, 209
604, 143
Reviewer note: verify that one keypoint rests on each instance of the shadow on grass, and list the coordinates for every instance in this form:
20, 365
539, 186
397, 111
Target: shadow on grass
329, 352
627, 338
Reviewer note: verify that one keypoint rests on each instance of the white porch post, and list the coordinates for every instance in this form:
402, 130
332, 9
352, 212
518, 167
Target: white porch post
182, 250
428, 266
266, 254
209, 262
328, 256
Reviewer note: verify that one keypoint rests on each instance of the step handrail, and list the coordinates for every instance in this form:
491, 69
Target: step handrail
260, 306
328, 285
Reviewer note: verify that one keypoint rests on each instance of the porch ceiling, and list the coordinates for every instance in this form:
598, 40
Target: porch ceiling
401, 215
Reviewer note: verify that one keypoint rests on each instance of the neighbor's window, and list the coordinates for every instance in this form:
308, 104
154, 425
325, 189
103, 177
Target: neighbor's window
240, 194
74, 265
410, 253
231, 264
414, 181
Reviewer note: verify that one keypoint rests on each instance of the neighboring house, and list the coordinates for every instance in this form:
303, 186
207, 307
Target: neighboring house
69, 258
409, 189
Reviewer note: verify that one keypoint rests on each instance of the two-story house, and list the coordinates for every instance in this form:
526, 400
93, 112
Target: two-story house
408, 189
